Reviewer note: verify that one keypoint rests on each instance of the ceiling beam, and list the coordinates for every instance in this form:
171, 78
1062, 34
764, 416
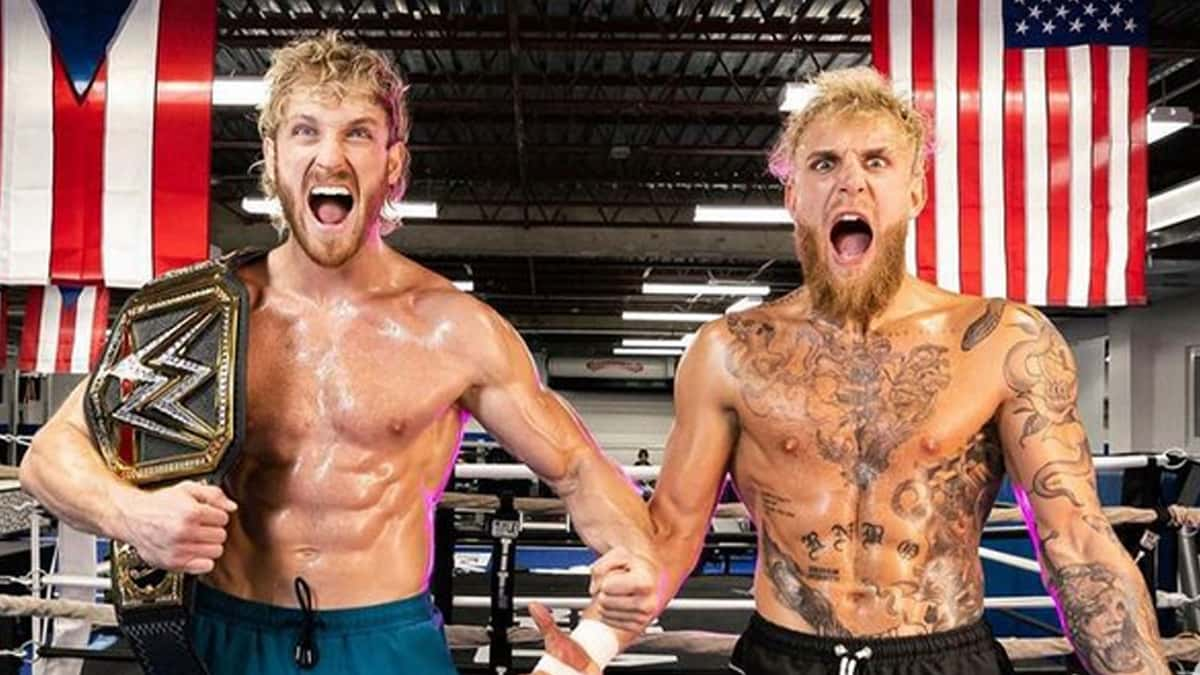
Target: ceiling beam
569, 149
594, 240
535, 26
514, 68
571, 44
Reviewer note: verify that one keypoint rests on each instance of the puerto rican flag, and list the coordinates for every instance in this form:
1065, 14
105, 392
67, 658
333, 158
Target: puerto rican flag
105, 129
64, 329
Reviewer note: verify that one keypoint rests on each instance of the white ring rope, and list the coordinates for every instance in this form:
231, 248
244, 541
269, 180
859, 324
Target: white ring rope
1184, 647
1171, 458
1166, 600
1117, 515
19, 605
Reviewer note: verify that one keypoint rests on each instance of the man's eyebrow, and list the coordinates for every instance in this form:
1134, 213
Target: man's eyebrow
365, 119
822, 154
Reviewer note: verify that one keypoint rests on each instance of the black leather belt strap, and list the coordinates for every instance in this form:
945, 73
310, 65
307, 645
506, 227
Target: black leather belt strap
161, 638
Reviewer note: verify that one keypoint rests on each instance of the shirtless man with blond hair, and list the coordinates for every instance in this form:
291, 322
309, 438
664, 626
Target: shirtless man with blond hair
868, 419
363, 367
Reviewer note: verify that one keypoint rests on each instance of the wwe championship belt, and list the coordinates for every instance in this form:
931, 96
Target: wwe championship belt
165, 404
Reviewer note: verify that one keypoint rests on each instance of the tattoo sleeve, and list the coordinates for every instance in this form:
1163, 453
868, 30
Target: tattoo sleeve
1103, 602
1107, 616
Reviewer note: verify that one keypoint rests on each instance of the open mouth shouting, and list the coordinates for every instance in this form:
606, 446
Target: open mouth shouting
850, 237
330, 205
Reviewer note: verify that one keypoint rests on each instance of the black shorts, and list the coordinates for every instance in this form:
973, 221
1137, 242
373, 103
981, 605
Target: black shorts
768, 649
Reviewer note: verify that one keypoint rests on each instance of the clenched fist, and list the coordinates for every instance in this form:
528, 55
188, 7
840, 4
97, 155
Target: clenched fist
626, 588
180, 528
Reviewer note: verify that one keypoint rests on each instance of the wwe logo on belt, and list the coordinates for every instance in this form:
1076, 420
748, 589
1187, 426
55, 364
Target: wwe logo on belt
166, 377
163, 404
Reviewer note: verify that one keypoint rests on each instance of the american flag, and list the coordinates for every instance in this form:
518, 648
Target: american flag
64, 329
104, 138
1037, 184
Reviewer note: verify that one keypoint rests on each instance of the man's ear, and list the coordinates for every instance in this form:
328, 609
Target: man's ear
791, 201
397, 162
268, 147
916, 194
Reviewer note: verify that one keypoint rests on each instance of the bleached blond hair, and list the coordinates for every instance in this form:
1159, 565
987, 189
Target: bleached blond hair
850, 91
332, 68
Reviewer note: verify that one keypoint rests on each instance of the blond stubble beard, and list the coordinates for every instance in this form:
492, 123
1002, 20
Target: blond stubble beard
330, 256
861, 297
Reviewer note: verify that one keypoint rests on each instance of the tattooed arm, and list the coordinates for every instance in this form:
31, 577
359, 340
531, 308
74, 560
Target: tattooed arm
1101, 596
697, 456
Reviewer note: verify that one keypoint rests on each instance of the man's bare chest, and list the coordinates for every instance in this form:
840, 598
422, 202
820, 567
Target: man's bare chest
365, 383
807, 392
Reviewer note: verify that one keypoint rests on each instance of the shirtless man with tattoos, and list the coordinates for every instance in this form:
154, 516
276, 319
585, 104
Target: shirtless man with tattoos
362, 369
868, 419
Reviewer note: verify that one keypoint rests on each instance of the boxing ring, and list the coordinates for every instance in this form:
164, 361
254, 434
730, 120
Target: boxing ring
509, 524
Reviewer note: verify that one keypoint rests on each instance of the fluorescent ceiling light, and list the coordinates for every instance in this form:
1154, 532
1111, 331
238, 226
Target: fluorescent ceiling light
690, 317
796, 95
1166, 120
744, 303
238, 91
704, 289
1176, 205
464, 286
635, 351
261, 206
662, 344
411, 209
742, 214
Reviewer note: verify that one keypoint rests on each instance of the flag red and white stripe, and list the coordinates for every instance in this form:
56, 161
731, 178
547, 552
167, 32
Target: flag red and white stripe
64, 329
113, 189
1037, 180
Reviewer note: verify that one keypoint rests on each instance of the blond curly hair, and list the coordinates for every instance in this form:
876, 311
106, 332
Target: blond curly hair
849, 91
333, 68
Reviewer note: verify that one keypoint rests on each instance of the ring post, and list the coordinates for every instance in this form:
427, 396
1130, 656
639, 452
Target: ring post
1189, 564
1189, 578
504, 527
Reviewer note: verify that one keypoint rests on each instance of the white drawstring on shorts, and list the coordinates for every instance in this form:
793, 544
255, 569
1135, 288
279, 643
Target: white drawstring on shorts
850, 661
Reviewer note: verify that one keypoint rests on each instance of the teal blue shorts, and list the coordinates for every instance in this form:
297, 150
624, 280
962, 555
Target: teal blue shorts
235, 636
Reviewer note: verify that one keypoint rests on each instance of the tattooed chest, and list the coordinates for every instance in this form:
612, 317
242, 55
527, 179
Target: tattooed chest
901, 558
853, 398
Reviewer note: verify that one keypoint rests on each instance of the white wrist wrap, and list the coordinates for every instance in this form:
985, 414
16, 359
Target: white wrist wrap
598, 640
595, 637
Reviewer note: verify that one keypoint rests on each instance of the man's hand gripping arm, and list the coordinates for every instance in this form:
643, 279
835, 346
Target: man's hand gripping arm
697, 456
542, 430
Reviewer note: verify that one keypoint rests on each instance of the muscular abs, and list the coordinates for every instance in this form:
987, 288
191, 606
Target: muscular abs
870, 463
351, 425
